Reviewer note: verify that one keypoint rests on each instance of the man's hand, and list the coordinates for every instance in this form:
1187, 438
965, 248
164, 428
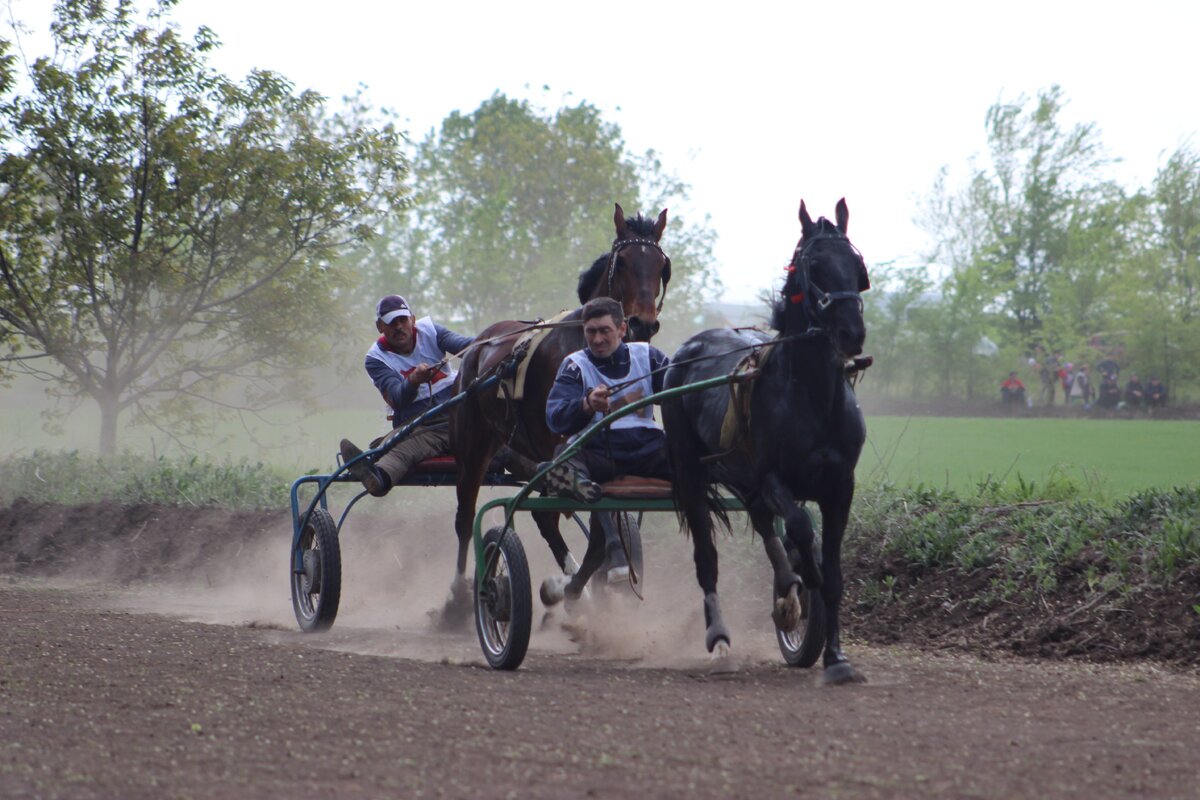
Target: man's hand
421, 374
596, 400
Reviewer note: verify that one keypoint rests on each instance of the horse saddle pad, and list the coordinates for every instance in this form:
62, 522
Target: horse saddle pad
735, 426
515, 387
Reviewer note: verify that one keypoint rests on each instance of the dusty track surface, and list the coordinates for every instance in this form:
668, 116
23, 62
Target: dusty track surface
197, 684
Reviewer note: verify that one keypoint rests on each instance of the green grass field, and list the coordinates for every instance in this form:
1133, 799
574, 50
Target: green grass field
1104, 458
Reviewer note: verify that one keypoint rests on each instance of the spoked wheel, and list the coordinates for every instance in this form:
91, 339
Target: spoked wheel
318, 588
802, 647
503, 601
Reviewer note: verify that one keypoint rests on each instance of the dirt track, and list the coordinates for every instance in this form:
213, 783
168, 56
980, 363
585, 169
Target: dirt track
100, 699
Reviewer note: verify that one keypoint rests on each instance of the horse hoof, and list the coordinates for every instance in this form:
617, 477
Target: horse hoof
721, 661
840, 674
787, 611
455, 615
553, 590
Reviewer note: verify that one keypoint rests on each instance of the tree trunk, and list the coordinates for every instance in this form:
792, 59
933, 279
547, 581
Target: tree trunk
109, 411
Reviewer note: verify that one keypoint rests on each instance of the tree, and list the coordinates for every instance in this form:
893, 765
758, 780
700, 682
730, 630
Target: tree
1016, 214
512, 203
895, 294
165, 230
1160, 306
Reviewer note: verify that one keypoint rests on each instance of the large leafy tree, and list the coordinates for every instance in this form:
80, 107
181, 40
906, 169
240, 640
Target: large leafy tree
1160, 303
1015, 218
164, 230
513, 202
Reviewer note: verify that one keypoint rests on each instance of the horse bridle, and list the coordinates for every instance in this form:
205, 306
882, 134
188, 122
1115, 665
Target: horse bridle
617, 246
801, 259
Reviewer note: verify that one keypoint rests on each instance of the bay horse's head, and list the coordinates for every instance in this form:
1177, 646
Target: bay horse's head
824, 283
632, 272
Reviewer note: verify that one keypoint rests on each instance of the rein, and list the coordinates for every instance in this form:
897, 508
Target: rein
533, 326
808, 334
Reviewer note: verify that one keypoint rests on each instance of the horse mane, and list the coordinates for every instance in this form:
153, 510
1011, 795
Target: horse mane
637, 226
795, 281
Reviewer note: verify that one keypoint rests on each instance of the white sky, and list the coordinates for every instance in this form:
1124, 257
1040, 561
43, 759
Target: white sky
755, 104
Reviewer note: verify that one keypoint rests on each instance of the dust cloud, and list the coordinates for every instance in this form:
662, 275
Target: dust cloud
398, 560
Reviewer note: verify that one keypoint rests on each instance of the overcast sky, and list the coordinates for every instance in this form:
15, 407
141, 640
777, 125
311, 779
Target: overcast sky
755, 104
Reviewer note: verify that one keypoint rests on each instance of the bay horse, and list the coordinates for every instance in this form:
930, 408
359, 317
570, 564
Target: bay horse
632, 272
799, 442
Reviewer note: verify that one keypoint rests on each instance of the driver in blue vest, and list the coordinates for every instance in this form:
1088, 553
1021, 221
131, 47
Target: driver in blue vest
583, 393
410, 366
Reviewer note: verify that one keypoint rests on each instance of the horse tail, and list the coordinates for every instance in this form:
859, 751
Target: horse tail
692, 491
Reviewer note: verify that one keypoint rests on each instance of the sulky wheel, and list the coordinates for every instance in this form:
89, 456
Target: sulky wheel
503, 600
802, 646
318, 588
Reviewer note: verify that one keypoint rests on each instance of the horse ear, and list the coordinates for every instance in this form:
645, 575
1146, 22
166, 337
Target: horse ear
806, 223
619, 221
660, 225
843, 215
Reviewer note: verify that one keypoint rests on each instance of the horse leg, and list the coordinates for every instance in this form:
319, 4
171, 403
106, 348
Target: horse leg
786, 611
704, 552
716, 636
779, 501
556, 587
547, 521
835, 513
473, 460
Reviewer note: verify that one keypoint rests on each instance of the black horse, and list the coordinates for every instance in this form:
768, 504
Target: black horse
799, 441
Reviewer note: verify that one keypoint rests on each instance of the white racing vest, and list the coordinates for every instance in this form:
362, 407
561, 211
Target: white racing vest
638, 385
426, 351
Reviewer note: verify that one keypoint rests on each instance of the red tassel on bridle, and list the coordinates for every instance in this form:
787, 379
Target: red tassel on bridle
796, 298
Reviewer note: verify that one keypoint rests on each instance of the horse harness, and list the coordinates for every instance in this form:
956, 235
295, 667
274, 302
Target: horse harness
735, 426
620, 244
802, 261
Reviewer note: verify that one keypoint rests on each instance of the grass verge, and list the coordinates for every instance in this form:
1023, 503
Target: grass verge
71, 478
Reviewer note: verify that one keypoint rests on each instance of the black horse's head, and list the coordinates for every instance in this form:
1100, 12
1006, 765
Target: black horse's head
824, 281
632, 273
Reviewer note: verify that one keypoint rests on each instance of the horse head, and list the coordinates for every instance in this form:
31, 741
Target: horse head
632, 273
825, 280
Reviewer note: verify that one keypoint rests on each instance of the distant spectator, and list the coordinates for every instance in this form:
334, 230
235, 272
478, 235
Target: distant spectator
1082, 391
1135, 393
1047, 366
1110, 391
1109, 367
1066, 374
1156, 393
1012, 391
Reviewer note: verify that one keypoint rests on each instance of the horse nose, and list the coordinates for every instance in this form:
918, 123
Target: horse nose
852, 341
641, 330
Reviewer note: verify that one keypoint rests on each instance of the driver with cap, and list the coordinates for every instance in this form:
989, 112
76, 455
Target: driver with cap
410, 366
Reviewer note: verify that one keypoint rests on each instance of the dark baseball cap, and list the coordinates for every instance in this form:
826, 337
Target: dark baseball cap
391, 307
